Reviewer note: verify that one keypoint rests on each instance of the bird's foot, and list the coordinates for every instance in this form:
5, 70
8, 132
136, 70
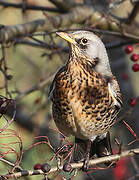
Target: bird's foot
86, 163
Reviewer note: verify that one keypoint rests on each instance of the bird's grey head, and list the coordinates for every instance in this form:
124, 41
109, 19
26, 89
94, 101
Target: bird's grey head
90, 46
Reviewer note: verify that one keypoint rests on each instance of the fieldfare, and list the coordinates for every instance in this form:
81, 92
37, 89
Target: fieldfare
85, 95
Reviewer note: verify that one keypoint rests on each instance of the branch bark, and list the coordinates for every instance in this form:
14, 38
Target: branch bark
79, 165
28, 7
77, 15
64, 5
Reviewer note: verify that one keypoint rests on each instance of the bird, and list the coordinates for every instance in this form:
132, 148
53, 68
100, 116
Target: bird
85, 95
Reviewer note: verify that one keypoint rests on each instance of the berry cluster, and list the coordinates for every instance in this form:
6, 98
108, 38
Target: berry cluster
134, 57
44, 167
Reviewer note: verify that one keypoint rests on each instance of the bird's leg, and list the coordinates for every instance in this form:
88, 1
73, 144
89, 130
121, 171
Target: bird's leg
86, 160
79, 149
104, 148
108, 143
109, 148
82, 152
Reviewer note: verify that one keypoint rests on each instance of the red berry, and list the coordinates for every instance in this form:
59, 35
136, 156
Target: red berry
135, 67
125, 76
134, 57
37, 101
129, 49
46, 167
37, 166
132, 102
121, 171
67, 167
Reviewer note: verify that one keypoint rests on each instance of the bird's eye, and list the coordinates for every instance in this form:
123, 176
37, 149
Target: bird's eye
84, 41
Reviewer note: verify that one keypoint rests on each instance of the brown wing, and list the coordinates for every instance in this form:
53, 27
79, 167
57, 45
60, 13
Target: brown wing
52, 87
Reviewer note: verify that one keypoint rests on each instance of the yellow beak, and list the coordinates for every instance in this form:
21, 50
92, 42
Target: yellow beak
66, 37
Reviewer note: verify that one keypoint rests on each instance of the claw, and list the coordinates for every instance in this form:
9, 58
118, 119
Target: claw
86, 163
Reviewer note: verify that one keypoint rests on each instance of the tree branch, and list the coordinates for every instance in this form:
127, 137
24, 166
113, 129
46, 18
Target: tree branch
77, 15
130, 19
64, 5
28, 7
37, 86
79, 165
133, 14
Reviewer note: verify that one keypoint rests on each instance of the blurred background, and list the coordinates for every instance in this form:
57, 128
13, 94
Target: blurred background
31, 62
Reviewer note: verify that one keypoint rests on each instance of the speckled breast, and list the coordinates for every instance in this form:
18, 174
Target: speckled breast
82, 104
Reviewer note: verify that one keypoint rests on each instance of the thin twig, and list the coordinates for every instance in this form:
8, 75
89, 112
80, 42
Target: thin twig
7, 162
135, 165
135, 177
35, 87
